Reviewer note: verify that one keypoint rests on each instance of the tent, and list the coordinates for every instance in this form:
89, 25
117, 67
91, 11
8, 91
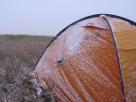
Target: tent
91, 60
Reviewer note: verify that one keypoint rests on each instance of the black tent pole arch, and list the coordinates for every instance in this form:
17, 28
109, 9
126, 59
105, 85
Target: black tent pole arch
96, 15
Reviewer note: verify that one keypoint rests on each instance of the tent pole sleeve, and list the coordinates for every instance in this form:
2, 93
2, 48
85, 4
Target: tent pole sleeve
117, 53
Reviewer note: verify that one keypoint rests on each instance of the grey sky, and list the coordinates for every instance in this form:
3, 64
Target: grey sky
48, 17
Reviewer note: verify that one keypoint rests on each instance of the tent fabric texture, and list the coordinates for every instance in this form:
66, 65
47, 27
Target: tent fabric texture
91, 60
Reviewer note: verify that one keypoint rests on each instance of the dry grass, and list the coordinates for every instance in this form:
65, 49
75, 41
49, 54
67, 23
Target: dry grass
18, 55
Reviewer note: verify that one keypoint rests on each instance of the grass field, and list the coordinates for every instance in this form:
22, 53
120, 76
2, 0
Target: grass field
18, 55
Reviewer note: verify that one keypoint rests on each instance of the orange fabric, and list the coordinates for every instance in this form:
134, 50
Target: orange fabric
90, 69
126, 42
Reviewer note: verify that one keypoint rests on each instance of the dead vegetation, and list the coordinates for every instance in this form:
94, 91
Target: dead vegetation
18, 55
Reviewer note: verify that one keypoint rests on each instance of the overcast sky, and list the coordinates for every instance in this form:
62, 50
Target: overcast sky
48, 17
